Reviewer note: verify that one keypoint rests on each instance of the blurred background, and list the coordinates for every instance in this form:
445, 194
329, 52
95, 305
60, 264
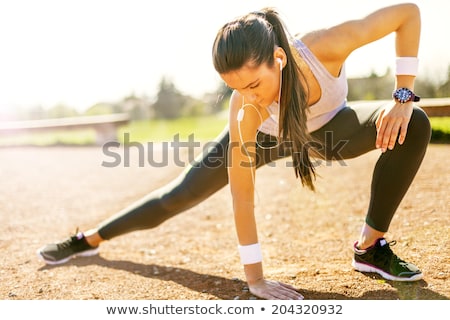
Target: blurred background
151, 63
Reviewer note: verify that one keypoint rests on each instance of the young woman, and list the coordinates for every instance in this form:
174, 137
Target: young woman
289, 93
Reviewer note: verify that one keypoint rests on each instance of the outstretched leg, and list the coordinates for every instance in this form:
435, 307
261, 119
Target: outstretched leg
202, 178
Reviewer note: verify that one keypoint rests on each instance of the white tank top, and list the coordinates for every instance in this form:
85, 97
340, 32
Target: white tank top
333, 99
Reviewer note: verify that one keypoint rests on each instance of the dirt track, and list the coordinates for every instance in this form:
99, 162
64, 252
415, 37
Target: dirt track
46, 193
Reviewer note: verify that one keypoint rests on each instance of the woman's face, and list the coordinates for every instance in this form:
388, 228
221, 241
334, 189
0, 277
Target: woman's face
259, 85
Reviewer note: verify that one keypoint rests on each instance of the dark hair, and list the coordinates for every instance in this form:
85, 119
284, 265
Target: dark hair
253, 38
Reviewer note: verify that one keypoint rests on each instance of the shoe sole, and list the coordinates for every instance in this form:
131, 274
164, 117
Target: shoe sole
87, 253
362, 267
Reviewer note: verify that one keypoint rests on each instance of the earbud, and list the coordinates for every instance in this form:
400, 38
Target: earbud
240, 115
281, 63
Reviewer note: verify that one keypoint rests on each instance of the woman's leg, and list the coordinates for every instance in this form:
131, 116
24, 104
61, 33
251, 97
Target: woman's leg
197, 182
354, 131
206, 175
202, 178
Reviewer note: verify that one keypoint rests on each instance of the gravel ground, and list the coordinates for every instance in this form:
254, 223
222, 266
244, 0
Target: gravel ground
47, 193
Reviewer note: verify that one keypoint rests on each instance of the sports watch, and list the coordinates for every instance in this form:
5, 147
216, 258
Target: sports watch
404, 95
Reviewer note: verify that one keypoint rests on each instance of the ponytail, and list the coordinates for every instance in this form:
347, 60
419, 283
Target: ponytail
293, 106
253, 38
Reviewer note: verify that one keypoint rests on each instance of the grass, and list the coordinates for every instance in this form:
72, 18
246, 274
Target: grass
440, 123
203, 128
72, 137
441, 129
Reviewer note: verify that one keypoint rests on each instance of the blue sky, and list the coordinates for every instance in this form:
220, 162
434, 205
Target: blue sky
82, 52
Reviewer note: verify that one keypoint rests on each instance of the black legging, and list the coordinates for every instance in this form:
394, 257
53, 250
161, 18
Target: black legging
350, 133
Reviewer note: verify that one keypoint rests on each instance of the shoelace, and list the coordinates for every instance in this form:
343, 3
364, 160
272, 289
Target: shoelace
386, 255
68, 242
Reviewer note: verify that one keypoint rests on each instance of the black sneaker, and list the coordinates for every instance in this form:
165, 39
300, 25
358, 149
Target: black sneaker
75, 246
380, 259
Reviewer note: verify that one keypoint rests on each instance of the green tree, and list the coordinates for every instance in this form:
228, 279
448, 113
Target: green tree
444, 89
169, 102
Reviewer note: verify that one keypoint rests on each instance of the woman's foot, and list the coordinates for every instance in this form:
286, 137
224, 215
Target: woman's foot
75, 246
379, 258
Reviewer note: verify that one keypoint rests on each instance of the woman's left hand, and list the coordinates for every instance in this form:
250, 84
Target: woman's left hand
392, 123
274, 290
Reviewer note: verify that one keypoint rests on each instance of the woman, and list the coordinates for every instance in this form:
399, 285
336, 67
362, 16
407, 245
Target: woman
292, 90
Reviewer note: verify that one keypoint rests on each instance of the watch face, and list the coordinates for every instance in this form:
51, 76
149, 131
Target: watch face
403, 95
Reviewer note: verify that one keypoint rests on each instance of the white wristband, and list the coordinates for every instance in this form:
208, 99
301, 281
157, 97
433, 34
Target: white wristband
250, 254
406, 66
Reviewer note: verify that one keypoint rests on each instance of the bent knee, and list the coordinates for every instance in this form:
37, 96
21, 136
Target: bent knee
419, 126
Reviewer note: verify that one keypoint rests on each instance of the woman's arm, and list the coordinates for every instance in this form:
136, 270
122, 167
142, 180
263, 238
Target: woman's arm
241, 172
332, 46
335, 44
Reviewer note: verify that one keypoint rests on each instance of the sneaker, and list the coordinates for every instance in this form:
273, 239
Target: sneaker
58, 253
379, 258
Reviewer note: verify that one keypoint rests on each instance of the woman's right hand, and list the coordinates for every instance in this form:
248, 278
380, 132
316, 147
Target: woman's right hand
274, 290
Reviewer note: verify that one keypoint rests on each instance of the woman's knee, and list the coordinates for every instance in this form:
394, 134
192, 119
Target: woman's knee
419, 126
